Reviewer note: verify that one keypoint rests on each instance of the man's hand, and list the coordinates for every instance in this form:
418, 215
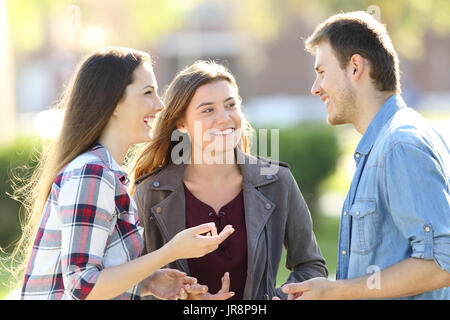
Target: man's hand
200, 292
167, 284
312, 289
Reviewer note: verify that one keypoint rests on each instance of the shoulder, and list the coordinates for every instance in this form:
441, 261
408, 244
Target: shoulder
85, 168
409, 129
146, 181
275, 167
268, 162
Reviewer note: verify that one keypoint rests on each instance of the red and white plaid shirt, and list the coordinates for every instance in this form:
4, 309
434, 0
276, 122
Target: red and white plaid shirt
89, 223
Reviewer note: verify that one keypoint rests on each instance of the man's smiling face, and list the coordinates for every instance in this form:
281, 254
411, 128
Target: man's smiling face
333, 86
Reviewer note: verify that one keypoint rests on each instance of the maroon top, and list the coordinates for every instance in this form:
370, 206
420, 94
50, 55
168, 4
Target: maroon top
231, 256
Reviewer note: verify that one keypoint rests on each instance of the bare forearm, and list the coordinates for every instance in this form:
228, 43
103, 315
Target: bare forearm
116, 280
408, 277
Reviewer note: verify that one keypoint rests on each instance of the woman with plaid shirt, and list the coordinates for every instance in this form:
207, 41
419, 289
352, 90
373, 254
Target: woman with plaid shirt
82, 236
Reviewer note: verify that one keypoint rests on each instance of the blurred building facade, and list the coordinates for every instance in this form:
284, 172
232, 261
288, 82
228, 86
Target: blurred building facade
274, 76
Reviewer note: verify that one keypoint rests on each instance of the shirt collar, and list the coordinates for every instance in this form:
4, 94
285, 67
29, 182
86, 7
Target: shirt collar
391, 106
103, 154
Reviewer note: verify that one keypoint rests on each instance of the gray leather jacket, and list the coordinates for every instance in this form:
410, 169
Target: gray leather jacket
275, 214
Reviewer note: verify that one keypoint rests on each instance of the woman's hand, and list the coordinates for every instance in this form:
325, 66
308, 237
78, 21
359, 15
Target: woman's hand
167, 284
200, 292
191, 243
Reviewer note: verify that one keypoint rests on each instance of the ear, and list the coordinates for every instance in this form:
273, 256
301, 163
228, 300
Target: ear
357, 66
181, 127
117, 109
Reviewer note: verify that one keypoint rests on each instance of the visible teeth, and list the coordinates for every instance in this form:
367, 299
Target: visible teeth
223, 133
147, 120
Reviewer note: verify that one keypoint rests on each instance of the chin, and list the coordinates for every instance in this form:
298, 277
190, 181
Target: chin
336, 120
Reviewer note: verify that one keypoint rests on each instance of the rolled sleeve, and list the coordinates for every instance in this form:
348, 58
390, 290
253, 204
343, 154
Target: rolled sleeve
86, 210
419, 200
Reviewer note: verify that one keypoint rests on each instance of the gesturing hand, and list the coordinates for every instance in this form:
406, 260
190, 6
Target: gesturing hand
191, 243
312, 289
167, 284
200, 292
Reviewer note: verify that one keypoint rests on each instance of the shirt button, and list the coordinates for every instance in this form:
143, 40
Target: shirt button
357, 213
345, 213
156, 184
427, 229
268, 206
357, 155
158, 210
344, 252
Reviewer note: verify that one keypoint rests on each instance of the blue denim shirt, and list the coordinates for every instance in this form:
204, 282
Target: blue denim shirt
398, 205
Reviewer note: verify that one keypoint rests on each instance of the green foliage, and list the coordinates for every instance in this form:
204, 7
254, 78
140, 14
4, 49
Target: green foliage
16, 160
311, 150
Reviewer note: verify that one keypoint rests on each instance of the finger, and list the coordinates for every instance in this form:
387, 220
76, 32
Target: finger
225, 283
226, 232
175, 273
189, 280
220, 296
197, 289
276, 298
292, 288
214, 231
203, 228
183, 294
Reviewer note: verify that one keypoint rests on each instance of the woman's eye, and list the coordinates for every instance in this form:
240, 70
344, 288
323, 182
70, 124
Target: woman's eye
231, 105
207, 110
147, 92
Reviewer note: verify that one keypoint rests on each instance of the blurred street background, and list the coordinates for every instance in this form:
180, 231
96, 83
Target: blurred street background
260, 41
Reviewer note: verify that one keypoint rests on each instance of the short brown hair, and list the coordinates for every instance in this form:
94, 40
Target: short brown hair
359, 33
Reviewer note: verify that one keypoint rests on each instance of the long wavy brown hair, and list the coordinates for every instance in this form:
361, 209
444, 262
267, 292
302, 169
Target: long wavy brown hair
177, 98
98, 85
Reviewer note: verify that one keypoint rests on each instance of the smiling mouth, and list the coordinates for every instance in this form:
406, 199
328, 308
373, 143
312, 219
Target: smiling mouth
148, 120
325, 100
223, 132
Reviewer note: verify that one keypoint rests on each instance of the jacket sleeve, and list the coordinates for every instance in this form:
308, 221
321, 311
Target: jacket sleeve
303, 256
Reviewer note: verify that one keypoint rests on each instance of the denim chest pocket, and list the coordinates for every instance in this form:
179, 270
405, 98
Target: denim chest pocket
365, 227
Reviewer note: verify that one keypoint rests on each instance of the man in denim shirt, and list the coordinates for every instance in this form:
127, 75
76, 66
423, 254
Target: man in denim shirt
394, 237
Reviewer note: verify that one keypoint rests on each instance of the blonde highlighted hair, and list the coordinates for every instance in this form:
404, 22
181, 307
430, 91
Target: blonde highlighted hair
177, 98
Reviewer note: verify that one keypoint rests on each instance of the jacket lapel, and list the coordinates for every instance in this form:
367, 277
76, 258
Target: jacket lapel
169, 210
258, 209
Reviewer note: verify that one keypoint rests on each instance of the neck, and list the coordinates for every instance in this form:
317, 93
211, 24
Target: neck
115, 145
213, 172
369, 105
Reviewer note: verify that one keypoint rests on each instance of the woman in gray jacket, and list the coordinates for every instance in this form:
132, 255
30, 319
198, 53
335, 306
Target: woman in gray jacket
210, 176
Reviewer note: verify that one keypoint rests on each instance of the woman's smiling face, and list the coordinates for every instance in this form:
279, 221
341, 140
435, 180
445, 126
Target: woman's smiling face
139, 105
213, 118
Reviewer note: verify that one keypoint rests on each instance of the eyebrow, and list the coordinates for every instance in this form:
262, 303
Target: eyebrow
149, 86
211, 103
